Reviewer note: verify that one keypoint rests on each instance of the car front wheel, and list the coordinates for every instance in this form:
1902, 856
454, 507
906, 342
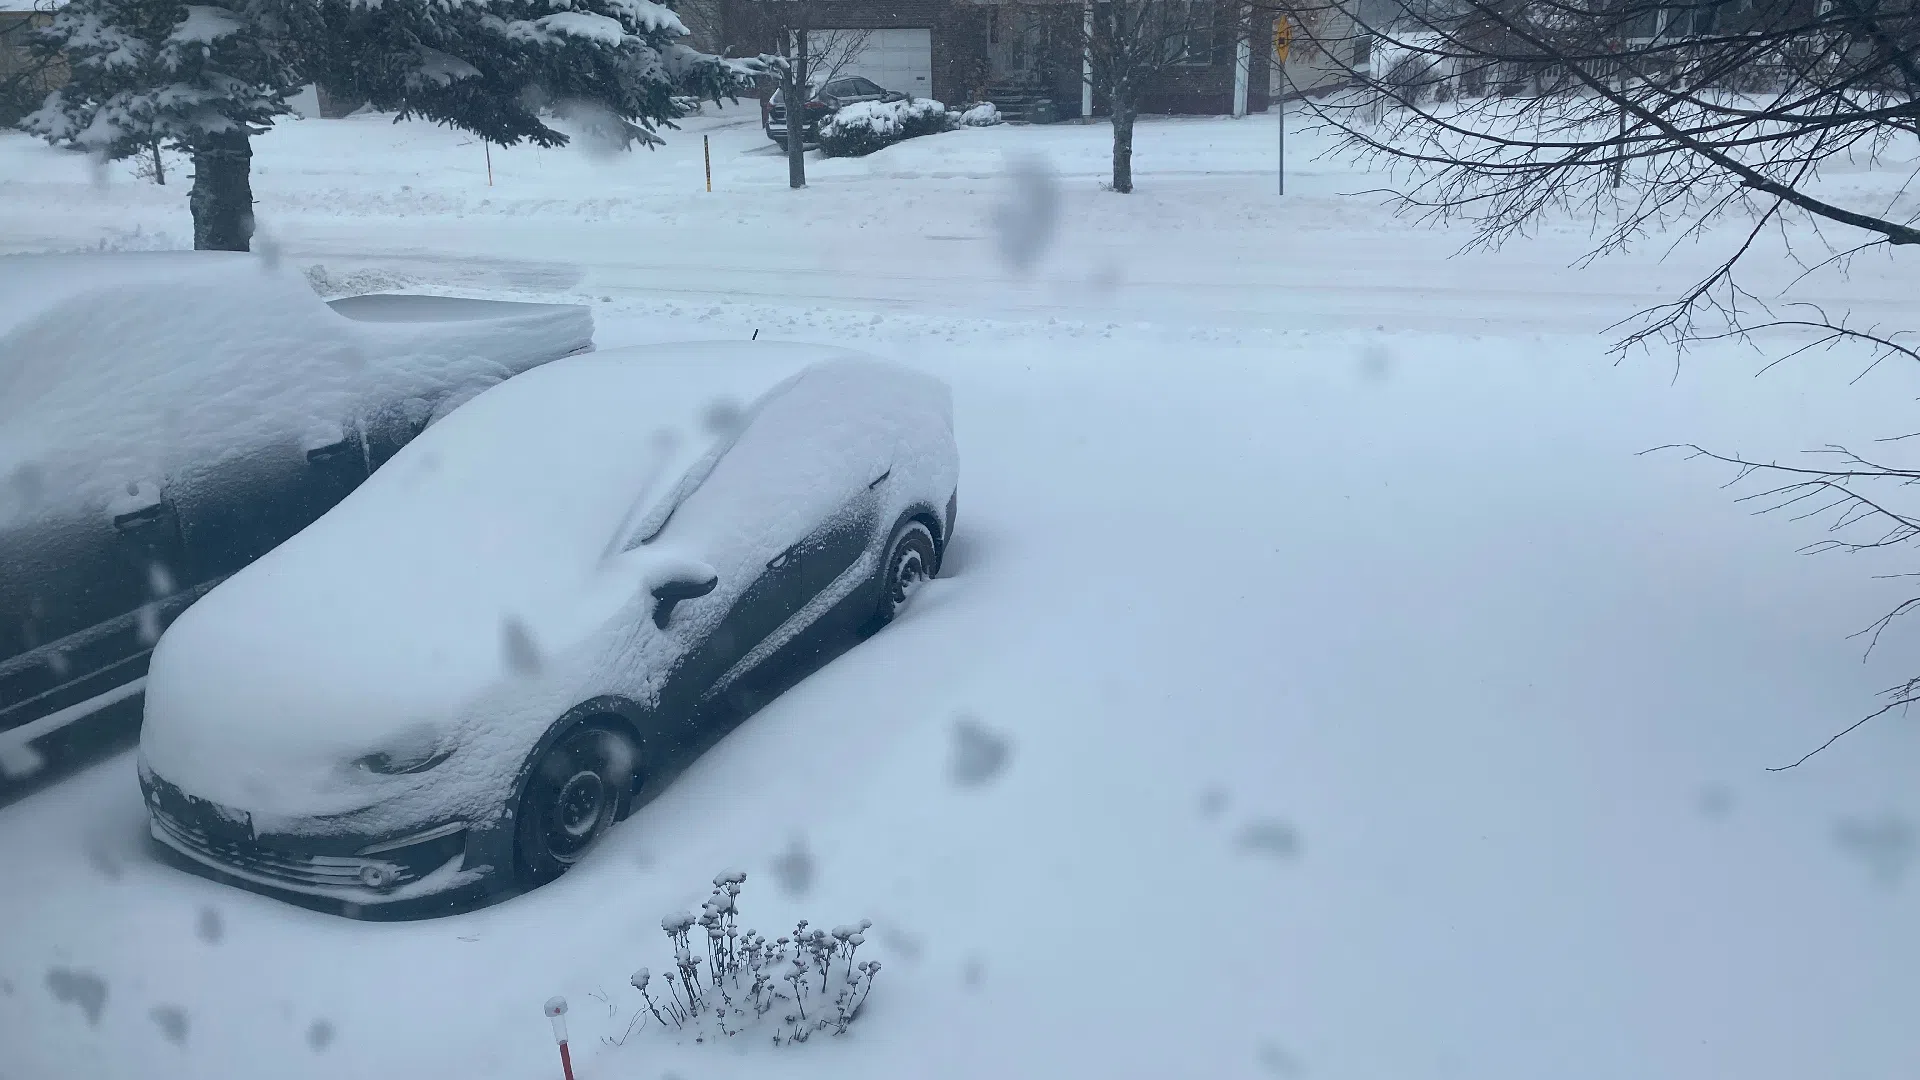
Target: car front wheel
910, 563
575, 792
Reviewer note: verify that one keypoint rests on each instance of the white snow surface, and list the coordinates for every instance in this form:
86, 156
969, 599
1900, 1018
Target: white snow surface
385, 620
1313, 612
122, 369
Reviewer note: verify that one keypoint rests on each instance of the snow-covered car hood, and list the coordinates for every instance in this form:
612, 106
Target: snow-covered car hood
418, 612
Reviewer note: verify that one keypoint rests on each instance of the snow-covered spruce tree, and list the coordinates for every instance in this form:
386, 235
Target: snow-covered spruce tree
205, 78
200, 78
497, 67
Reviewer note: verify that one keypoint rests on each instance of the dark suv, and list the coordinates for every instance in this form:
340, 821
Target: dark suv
833, 95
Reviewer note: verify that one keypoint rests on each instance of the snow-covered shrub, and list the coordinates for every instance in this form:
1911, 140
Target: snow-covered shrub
985, 114
866, 126
807, 981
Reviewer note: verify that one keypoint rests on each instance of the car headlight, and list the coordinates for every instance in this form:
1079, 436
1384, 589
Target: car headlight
402, 760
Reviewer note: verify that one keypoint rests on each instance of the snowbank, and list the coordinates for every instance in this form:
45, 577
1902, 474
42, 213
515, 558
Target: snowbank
129, 368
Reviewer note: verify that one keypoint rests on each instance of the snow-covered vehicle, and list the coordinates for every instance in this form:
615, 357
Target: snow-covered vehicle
462, 675
821, 104
167, 418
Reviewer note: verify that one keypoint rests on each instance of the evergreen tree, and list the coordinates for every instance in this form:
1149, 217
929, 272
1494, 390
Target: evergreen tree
205, 78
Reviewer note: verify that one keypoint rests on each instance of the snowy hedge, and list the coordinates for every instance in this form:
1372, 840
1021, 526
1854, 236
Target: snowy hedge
866, 126
985, 114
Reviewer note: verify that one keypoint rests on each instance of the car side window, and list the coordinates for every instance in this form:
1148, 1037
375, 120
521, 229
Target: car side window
840, 88
862, 86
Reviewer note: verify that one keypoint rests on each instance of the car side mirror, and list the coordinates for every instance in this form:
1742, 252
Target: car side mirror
670, 592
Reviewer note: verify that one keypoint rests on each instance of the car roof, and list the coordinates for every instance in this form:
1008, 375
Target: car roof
575, 448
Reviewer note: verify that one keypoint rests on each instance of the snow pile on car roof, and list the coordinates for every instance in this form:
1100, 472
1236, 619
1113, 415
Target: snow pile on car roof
129, 368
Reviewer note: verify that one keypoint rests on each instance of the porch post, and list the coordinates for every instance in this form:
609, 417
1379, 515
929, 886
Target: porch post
1242, 58
1086, 62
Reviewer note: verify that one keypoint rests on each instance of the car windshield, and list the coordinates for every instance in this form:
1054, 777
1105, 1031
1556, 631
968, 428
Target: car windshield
1292, 540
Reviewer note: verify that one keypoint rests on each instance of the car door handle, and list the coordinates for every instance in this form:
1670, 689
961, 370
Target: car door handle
320, 455
133, 519
781, 560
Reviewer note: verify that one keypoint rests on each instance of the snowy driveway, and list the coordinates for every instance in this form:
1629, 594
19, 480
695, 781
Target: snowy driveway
1357, 703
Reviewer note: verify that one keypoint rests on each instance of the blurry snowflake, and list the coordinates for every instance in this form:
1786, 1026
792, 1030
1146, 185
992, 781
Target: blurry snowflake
25, 487
268, 251
974, 973
978, 755
723, 416
1213, 802
17, 762
1277, 1061
1025, 222
907, 945
320, 1035
100, 855
1885, 844
160, 579
1715, 802
522, 658
793, 869
148, 621
1375, 363
1269, 837
210, 928
173, 1022
81, 988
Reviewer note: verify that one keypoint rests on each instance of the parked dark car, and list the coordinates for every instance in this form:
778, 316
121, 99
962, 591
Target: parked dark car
464, 674
831, 96
171, 417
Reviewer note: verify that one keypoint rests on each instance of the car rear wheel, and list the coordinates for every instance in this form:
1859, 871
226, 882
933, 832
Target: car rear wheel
911, 560
576, 791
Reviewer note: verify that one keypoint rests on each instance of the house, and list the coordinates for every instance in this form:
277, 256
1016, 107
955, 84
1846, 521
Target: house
1023, 55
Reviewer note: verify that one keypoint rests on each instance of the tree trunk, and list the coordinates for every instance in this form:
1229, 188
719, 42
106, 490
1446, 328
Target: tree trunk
222, 195
795, 95
1123, 148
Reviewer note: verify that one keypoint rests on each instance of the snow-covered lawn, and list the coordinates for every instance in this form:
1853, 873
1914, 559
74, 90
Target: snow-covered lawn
1370, 707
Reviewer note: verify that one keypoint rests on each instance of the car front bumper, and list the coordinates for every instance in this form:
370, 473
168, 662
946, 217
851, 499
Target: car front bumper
358, 869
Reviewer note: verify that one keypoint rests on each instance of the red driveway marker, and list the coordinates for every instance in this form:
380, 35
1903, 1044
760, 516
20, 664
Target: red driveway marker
557, 1012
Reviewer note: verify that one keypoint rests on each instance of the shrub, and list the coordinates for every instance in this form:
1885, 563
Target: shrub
866, 126
985, 114
808, 981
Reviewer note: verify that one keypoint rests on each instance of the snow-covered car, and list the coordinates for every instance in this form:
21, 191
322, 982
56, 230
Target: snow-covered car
826, 98
463, 674
166, 418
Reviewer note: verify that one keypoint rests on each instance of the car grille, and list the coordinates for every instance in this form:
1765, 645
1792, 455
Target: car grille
327, 871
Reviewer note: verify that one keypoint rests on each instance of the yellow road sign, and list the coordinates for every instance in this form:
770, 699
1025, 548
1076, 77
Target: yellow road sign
1282, 38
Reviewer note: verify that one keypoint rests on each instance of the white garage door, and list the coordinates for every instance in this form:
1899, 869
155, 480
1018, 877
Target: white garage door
896, 59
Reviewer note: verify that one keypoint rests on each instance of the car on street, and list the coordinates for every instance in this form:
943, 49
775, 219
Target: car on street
167, 418
828, 98
461, 676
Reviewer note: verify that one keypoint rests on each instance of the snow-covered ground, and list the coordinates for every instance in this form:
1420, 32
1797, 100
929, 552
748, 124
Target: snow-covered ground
1325, 685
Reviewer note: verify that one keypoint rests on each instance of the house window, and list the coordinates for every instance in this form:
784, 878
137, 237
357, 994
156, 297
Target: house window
1188, 31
